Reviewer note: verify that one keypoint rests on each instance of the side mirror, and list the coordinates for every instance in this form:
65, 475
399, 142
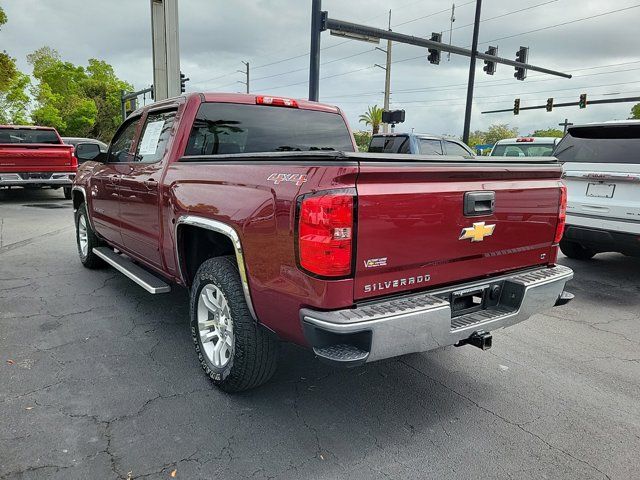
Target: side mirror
87, 151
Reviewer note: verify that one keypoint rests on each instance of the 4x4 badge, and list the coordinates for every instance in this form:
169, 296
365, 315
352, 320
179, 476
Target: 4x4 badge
477, 232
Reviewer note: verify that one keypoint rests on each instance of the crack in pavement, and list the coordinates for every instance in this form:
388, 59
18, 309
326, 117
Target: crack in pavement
506, 420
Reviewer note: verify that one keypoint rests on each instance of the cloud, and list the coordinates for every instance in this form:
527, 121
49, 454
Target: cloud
215, 36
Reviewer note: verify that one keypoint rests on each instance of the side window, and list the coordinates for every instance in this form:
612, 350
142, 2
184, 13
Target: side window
455, 149
430, 146
404, 145
120, 151
155, 136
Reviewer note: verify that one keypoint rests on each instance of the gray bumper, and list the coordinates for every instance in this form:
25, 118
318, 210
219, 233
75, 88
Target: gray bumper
48, 178
422, 322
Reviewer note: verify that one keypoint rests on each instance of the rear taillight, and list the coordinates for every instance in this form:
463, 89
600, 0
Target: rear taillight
325, 234
562, 214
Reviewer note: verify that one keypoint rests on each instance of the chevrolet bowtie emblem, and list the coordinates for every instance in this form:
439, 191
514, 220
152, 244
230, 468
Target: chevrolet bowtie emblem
477, 232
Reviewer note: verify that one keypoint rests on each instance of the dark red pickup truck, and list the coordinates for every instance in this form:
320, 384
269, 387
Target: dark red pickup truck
34, 157
262, 208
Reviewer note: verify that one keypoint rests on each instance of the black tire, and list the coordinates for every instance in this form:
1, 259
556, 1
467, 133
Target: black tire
90, 259
576, 251
67, 192
254, 354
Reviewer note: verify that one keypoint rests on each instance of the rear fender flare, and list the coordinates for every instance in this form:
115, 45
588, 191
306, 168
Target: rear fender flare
229, 232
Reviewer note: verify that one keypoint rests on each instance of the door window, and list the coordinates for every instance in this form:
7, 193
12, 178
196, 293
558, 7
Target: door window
455, 149
120, 151
430, 146
155, 136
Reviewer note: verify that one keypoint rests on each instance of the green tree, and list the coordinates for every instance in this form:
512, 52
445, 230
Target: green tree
372, 118
549, 132
500, 131
14, 101
362, 140
635, 112
77, 101
477, 137
3, 17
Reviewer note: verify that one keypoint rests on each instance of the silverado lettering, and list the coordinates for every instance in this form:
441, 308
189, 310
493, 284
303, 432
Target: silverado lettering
193, 204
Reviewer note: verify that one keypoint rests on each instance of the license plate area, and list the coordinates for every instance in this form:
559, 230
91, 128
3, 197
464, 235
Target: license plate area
601, 190
468, 300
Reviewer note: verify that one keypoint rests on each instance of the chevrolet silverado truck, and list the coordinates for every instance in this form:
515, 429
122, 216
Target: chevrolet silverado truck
35, 157
261, 207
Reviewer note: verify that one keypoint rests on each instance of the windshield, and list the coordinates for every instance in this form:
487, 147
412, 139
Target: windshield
225, 128
28, 135
523, 150
602, 144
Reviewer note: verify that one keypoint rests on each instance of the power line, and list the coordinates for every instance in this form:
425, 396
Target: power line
493, 83
563, 23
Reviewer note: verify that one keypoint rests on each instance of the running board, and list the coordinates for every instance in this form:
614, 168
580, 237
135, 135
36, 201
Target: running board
142, 277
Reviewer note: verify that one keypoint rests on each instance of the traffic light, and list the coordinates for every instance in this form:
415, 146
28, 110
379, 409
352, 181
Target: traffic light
434, 53
183, 82
522, 56
549, 104
583, 100
489, 66
516, 106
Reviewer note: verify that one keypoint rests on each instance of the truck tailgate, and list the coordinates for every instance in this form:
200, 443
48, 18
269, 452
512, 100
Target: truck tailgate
413, 233
41, 157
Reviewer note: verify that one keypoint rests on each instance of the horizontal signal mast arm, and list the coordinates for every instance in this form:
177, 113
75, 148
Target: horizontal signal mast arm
570, 104
348, 27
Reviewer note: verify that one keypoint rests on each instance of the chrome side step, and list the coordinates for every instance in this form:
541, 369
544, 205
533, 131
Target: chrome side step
142, 277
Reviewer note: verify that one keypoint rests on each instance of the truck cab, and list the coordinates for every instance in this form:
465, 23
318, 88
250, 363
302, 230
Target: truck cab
418, 144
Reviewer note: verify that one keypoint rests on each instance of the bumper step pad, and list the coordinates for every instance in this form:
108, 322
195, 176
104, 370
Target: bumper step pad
342, 354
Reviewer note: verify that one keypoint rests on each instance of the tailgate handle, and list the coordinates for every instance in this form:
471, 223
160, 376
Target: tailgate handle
479, 203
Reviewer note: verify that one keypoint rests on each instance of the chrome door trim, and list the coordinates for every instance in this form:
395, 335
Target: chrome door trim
230, 233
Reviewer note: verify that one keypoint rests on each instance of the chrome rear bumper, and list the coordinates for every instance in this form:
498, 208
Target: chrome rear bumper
422, 322
36, 178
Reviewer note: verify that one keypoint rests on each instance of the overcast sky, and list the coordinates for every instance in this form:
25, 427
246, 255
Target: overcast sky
216, 35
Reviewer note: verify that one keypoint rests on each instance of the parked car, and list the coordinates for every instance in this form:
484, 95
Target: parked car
602, 172
77, 140
262, 208
524, 147
418, 144
35, 157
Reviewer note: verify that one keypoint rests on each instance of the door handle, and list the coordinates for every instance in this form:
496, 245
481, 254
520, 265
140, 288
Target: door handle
479, 203
150, 183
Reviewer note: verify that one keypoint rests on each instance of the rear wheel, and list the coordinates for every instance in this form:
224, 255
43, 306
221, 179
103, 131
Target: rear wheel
576, 250
67, 192
86, 240
234, 351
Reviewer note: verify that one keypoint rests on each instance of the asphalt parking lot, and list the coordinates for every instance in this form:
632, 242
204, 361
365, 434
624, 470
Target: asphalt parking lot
99, 380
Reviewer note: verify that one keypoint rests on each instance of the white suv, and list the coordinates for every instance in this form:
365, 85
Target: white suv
602, 170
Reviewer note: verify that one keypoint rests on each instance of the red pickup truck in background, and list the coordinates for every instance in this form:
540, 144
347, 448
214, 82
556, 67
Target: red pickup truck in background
35, 157
261, 207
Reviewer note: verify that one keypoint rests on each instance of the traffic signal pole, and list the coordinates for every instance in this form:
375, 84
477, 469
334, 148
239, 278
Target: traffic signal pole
320, 21
472, 74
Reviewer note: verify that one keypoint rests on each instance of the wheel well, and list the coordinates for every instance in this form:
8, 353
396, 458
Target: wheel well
195, 245
78, 199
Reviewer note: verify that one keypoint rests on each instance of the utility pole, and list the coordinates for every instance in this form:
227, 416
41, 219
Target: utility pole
452, 19
314, 57
245, 72
387, 78
565, 124
166, 51
472, 73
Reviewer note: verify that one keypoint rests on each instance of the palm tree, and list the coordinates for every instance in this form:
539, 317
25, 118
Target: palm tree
373, 117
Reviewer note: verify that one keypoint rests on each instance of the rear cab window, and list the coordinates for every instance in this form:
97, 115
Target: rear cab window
523, 150
390, 144
29, 135
228, 128
601, 144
